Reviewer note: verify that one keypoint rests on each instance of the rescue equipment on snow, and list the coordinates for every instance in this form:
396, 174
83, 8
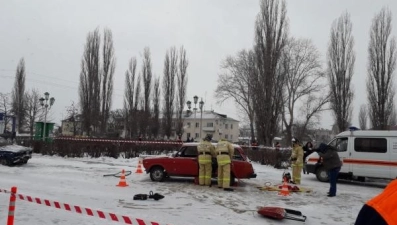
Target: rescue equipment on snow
286, 176
282, 213
155, 196
126, 173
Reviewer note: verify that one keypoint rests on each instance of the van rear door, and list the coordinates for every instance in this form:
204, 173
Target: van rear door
370, 157
393, 157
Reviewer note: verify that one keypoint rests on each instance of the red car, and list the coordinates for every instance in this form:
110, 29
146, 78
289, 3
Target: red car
184, 164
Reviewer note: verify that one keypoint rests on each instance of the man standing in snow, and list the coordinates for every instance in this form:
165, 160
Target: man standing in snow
296, 161
224, 152
206, 151
331, 163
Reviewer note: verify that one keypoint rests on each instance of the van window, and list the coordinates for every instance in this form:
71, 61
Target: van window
340, 144
376, 145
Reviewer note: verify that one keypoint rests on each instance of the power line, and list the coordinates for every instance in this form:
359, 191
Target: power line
38, 81
55, 78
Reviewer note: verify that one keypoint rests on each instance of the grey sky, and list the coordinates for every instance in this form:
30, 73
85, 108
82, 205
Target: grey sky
50, 35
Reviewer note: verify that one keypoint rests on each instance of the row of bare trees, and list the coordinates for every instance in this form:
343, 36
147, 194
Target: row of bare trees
282, 81
140, 115
143, 114
22, 104
96, 81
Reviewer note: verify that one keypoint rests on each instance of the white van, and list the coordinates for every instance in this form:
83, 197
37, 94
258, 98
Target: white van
364, 153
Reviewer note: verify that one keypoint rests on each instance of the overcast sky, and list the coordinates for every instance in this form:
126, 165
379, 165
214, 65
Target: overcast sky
51, 34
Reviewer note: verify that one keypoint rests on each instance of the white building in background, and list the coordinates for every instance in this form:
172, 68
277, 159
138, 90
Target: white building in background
219, 125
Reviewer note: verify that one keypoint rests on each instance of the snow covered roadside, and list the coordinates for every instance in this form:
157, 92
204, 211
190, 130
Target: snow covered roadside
80, 181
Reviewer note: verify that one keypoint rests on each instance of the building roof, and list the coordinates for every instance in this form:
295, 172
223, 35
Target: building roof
207, 115
373, 133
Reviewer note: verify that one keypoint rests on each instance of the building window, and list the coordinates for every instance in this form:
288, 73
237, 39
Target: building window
226, 136
173, 124
197, 135
226, 126
231, 126
188, 125
188, 135
210, 124
197, 124
231, 137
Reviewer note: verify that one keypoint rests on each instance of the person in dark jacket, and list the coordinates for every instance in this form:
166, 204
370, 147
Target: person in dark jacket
332, 164
307, 150
380, 210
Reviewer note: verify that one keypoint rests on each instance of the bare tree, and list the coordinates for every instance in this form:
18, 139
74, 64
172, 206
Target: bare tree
90, 82
182, 79
108, 67
18, 95
155, 122
393, 118
138, 102
116, 122
32, 108
5, 107
381, 66
170, 70
340, 61
363, 117
271, 32
147, 85
234, 83
301, 64
74, 117
313, 105
129, 97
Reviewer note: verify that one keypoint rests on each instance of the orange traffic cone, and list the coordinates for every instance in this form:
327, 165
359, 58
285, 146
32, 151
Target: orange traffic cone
139, 168
122, 182
284, 189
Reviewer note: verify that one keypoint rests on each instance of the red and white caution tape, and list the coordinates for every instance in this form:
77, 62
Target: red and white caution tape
119, 141
85, 211
5, 191
264, 147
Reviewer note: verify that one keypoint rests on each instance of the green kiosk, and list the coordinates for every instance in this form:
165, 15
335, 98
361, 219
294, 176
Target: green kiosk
39, 132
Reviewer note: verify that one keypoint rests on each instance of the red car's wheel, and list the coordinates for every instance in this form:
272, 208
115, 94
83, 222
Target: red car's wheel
157, 174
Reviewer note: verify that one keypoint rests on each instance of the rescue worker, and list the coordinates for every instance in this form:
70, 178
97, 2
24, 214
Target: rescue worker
224, 152
296, 161
206, 151
380, 210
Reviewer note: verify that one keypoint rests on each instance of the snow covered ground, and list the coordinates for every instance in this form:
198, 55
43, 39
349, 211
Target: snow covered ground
80, 181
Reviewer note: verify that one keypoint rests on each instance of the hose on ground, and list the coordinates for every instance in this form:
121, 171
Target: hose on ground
126, 173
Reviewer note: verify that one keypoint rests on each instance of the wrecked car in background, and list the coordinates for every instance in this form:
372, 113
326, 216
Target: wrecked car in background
12, 154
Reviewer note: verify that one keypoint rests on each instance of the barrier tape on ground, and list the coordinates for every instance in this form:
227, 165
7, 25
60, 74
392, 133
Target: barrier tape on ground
5, 191
84, 211
119, 141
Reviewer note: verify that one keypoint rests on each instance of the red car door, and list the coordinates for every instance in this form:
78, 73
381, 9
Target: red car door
241, 168
185, 163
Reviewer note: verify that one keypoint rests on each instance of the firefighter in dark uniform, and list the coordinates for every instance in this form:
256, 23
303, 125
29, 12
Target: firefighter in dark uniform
224, 155
206, 151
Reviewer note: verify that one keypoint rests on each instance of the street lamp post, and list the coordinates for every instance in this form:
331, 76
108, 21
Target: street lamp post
201, 104
44, 103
